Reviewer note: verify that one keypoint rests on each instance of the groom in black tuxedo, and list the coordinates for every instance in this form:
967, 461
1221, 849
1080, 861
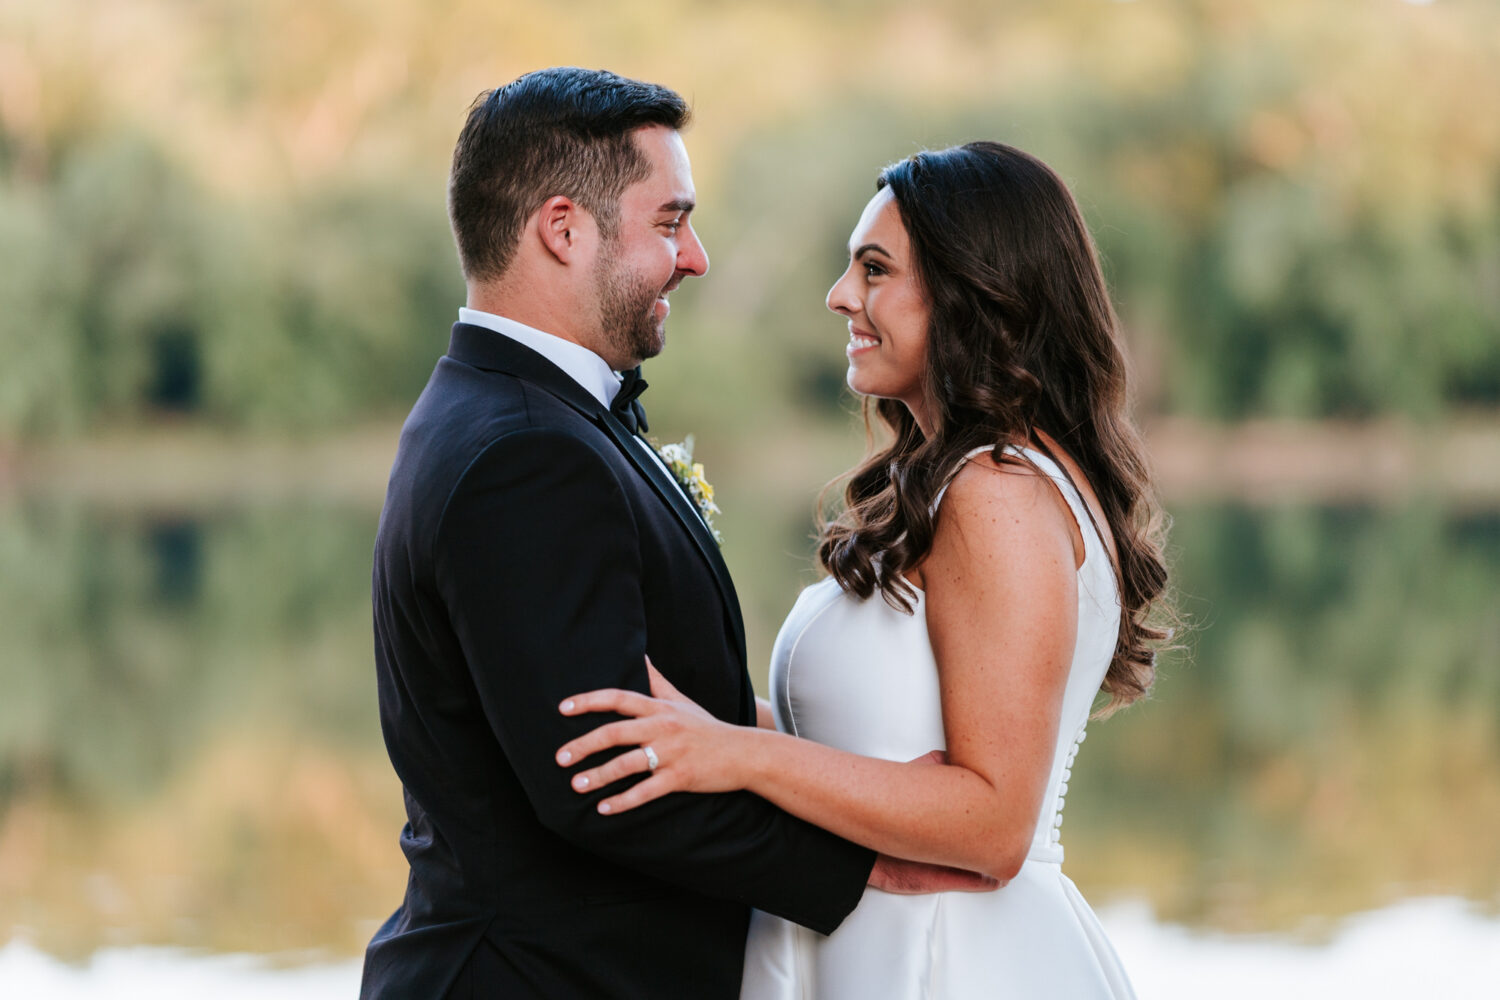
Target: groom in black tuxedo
532, 547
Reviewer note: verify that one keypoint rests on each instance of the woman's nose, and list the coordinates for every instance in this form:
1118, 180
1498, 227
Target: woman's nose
841, 298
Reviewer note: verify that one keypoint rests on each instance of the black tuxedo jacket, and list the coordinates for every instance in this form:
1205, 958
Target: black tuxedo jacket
530, 549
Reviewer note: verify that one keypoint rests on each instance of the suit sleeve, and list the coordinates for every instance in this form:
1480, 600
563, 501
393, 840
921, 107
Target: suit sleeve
537, 560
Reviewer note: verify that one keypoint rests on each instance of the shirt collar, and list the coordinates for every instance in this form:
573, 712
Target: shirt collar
581, 364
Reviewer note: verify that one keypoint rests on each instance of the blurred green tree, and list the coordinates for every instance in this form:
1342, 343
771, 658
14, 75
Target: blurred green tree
1299, 206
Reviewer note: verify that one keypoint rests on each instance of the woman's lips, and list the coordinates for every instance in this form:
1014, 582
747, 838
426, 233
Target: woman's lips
859, 341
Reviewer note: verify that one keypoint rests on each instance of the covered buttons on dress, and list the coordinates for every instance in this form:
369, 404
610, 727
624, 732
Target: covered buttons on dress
1062, 786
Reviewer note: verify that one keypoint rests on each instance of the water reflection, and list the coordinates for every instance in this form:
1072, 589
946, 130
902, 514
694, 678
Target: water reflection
1334, 742
189, 753
188, 746
177, 552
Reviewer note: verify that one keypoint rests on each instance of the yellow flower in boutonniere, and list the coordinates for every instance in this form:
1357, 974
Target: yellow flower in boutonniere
689, 475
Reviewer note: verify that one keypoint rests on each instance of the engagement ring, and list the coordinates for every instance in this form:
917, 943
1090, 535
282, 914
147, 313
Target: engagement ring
651, 761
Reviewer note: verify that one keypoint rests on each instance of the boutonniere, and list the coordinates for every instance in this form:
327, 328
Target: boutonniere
678, 458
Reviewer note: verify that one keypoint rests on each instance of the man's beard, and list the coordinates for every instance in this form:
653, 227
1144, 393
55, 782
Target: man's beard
627, 313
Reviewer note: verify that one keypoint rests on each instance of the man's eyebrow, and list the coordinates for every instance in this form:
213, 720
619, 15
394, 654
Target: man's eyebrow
865, 248
678, 205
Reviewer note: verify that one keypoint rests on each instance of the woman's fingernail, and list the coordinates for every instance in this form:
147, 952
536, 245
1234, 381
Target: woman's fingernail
580, 782
567, 706
604, 807
564, 757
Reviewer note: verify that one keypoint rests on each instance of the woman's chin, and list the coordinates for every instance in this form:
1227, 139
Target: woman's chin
866, 383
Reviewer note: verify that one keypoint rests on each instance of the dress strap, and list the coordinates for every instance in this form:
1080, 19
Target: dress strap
982, 450
1053, 470
1093, 535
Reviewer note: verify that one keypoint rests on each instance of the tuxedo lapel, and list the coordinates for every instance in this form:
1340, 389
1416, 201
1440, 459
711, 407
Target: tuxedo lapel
493, 351
674, 498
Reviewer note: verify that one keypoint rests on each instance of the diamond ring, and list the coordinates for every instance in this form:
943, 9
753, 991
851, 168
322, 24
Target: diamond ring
651, 760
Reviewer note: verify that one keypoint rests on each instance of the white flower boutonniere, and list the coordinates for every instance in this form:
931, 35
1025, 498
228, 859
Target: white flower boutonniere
689, 475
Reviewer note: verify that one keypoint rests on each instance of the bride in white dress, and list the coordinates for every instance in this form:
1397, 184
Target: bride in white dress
993, 569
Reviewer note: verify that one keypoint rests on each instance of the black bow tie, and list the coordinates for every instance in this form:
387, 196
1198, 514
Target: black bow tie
626, 406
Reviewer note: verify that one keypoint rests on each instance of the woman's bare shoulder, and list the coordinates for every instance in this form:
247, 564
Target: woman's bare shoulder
983, 482
999, 503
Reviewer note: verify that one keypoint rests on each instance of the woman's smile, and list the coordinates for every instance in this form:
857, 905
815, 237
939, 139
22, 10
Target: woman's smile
860, 341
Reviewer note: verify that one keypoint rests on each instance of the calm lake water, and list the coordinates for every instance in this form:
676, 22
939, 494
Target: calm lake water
190, 758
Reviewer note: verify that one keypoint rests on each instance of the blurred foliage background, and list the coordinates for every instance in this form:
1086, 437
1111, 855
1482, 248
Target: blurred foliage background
234, 211
227, 273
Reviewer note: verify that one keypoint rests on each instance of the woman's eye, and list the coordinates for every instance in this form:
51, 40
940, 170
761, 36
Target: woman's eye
873, 269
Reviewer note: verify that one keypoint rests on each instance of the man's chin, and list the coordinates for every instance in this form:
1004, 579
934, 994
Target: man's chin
640, 350
654, 345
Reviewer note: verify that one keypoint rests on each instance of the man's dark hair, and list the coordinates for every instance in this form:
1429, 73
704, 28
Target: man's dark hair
559, 131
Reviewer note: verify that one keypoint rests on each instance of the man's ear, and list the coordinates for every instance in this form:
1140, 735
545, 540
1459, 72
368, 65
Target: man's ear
565, 228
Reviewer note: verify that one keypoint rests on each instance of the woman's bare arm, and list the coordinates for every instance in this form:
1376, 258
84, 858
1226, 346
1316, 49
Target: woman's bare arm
1001, 596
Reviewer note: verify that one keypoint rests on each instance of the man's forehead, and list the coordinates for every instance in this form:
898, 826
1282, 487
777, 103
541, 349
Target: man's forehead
659, 193
669, 186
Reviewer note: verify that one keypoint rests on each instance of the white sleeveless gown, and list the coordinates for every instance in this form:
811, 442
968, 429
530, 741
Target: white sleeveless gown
859, 675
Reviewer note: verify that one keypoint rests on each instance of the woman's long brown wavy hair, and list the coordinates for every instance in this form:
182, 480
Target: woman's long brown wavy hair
1021, 338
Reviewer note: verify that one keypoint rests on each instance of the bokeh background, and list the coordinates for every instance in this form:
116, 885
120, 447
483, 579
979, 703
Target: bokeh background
225, 273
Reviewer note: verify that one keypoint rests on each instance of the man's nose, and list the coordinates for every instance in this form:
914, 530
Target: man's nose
691, 257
